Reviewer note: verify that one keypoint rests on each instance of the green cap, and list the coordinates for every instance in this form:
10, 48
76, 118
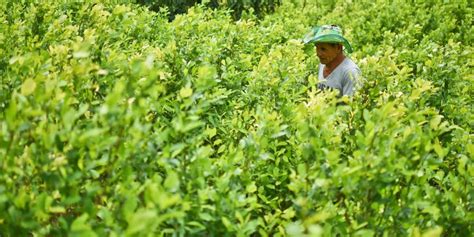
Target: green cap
327, 34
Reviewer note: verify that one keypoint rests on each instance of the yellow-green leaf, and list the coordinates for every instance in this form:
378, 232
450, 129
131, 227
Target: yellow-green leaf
186, 92
28, 87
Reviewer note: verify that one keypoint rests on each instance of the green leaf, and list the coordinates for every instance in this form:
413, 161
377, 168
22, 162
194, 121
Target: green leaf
210, 132
227, 223
294, 229
172, 181
57, 209
143, 221
206, 216
28, 87
434, 232
438, 149
185, 92
80, 227
251, 188
81, 54
11, 113
129, 206
365, 233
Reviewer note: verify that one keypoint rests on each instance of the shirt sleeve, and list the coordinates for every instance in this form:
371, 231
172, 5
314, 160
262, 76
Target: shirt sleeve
351, 81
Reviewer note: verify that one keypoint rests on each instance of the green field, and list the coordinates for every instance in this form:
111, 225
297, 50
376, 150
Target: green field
116, 121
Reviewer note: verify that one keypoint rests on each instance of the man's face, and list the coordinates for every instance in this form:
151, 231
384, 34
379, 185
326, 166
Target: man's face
327, 52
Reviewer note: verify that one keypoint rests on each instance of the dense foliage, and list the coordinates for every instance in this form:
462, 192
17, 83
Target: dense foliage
237, 7
115, 121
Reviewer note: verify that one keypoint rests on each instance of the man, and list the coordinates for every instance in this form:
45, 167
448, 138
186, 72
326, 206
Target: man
336, 71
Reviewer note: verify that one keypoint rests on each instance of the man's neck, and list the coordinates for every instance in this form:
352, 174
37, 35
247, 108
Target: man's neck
334, 63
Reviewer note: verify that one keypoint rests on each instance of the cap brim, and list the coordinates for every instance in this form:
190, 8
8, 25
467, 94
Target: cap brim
329, 38
333, 38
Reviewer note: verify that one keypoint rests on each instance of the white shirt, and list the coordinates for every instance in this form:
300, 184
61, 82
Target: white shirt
345, 77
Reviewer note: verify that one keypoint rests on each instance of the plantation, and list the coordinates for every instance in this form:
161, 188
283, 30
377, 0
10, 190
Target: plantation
116, 121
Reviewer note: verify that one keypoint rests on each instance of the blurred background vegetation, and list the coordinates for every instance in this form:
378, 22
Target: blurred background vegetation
259, 7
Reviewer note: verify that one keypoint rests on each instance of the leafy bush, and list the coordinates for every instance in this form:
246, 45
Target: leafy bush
116, 121
258, 7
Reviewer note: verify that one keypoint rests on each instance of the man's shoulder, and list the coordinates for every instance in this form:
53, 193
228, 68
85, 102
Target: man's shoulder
350, 64
349, 67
